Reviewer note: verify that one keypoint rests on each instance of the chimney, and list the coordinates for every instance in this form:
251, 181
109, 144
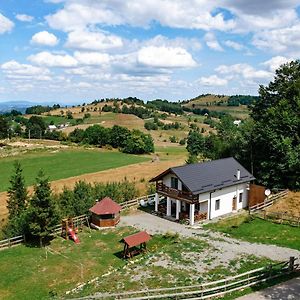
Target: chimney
238, 174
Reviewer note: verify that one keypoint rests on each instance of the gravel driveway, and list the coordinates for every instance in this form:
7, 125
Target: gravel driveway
289, 290
227, 248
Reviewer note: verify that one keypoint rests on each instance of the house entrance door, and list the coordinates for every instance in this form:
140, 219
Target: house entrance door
234, 203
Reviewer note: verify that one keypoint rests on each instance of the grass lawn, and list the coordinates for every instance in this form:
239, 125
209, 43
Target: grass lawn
64, 164
26, 272
259, 231
57, 120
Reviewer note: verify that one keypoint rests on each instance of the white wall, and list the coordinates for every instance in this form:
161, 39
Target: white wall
225, 196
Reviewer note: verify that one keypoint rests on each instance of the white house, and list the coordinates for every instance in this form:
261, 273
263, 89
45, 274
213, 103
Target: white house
52, 128
203, 190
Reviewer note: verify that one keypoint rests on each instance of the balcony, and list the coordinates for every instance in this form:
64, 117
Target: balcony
175, 194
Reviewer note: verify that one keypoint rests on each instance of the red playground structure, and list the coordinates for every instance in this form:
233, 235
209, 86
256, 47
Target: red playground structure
68, 231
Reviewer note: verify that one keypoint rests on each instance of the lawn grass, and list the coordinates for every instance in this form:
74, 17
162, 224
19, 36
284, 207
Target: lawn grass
28, 273
64, 164
256, 230
25, 273
58, 120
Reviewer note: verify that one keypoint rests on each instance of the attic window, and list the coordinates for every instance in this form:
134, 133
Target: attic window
174, 183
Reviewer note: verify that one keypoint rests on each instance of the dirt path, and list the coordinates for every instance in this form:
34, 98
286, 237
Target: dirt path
288, 290
139, 173
225, 248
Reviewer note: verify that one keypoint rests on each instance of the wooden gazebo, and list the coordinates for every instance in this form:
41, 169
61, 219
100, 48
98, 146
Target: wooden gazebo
132, 242
105, 213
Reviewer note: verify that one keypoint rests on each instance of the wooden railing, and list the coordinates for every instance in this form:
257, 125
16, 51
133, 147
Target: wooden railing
174, 193
136, 201
208, 290
12, 241
278, 217
268, 202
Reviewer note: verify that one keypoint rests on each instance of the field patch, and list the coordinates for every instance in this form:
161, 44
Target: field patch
256, 230
64, 164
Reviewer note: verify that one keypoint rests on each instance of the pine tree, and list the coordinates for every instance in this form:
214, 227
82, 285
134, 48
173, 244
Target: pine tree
17, 193
16, 203
42, 214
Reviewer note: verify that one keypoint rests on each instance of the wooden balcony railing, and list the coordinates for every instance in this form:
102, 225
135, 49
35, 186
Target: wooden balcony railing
173, 193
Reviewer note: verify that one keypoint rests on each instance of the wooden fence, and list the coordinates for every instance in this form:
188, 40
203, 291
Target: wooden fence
211, 289
269, 201
136, 202
12, 241
278, 217
78, 221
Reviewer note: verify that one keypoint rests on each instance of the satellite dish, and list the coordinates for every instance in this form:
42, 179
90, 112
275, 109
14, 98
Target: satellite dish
267, 192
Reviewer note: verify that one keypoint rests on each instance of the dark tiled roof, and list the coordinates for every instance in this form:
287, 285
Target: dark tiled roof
208, 176
105, 207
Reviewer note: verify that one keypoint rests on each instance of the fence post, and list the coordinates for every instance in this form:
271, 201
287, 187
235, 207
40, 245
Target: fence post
291, 264
9, 245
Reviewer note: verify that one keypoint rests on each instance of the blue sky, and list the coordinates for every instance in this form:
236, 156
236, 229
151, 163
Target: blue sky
72, 51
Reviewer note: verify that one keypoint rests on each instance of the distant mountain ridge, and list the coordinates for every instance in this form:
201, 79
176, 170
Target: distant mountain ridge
21, 105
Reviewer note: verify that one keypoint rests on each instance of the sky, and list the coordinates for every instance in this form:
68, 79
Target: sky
73, 51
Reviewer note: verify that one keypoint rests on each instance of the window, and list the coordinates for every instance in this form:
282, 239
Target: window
217, 206
240, 197
174, 183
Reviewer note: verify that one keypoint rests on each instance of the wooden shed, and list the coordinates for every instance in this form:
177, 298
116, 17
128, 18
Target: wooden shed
105, 213
135, 243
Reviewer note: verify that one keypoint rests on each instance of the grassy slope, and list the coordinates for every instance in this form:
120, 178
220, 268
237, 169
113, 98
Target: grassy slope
259, 231
99, 253
210, 101
64, 164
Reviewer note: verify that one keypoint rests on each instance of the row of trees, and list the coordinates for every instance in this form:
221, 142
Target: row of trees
36, 215
156, 124
268, 143
134, 141
39, 109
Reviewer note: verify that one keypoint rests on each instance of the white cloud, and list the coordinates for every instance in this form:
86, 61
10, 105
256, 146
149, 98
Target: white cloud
53, 60
44, 38
6, 25
165, 57
92, 58
24, 18
84, 85
275, 62
87, 40
173, 13
284, 40
212, 42
244, 70
234, 45
212, 80
163, 41
14, 70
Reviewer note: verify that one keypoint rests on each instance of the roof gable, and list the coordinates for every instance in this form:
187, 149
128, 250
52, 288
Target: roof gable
105, 207
207, 176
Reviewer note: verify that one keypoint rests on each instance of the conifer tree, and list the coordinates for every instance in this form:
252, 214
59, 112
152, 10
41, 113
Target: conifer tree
42, 216
17, 193
16, 203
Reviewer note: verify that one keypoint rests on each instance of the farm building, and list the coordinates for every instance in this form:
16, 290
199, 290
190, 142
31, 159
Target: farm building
203, 190
105, 213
